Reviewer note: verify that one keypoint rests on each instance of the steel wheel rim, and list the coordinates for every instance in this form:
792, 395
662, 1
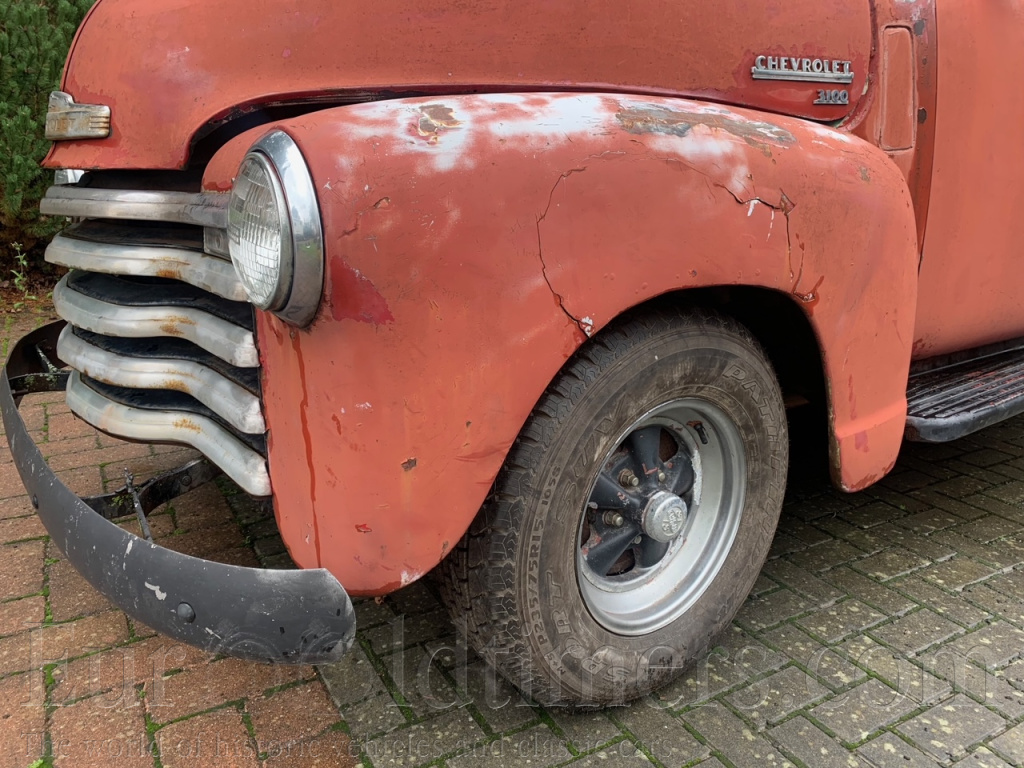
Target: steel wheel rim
648, 596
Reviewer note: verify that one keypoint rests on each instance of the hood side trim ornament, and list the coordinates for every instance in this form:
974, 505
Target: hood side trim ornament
67, 120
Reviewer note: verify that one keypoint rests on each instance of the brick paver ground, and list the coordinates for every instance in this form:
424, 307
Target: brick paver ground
886, 629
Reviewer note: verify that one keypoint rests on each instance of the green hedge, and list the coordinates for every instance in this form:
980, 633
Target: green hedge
35, 36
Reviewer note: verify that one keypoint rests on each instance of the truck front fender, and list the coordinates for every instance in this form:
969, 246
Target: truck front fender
475, 242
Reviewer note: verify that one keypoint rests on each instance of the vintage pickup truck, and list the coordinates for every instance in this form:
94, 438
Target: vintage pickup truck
521, 289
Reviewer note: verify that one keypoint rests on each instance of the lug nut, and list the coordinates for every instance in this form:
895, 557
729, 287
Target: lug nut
662, 477
627, 479
614, 519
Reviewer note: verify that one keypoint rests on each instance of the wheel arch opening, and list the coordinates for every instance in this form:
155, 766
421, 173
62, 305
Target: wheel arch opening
788, 339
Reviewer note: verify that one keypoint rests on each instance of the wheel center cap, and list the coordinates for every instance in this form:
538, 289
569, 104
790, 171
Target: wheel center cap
664, 516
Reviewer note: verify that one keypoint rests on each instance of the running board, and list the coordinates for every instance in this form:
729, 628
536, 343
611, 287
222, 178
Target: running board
948, 403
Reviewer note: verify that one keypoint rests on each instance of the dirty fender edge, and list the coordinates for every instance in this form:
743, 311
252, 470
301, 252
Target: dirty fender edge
280, 616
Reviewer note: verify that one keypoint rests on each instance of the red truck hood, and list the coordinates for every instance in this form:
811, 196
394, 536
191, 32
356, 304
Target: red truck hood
169, 70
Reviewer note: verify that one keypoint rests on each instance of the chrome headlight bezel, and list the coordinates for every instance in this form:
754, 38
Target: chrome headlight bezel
299, 286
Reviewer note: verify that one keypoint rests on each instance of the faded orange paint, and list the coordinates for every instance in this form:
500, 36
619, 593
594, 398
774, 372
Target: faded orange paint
971, 265
889, 74
178, 70
570, 209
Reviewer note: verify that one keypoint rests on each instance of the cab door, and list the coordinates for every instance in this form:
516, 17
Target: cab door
972, 268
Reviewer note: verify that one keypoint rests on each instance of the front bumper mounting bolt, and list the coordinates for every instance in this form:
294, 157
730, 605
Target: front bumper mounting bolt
186, 613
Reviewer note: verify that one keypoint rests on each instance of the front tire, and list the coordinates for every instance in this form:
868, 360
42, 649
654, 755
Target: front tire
632, 515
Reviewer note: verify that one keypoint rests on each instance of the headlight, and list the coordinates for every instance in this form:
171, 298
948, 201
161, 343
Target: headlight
274, 234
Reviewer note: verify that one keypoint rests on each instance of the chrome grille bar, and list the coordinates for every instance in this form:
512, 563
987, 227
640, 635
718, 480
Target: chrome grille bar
203, 209
221, 337
240, 462
196, 268
233, 403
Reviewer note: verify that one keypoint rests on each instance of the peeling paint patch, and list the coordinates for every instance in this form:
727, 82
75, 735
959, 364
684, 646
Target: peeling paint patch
155, 589
363, 528
409, 464
652, 118
434, 120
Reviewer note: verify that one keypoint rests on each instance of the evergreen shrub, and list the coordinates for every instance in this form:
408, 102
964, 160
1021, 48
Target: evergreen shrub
35, 36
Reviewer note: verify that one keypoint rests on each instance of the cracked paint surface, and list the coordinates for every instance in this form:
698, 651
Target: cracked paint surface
475, 242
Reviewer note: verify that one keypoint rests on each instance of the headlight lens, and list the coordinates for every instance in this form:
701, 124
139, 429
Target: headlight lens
258, 236
274, 232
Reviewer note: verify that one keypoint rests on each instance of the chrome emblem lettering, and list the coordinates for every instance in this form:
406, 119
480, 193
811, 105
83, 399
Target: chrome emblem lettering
833, 97
802, 70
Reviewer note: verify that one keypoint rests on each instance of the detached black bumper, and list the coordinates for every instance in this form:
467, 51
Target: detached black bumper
300, 617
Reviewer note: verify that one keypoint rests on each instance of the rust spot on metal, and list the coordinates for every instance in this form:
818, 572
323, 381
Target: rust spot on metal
172, 274
176, 384
434, 120
812, 297
171, 325
363, 528
865, 176
187, 423
671, 122
409, 464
